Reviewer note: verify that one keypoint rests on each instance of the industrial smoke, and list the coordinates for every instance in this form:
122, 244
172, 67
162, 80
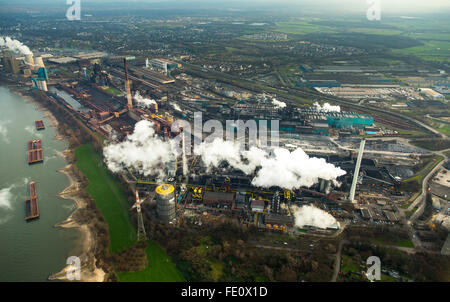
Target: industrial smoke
175, 106
15, 45
278, 103
148, 154
142, 151
282, 168
312, 216
144, 102
327, 107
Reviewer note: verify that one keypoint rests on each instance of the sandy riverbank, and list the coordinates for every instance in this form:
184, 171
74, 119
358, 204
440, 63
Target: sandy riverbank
87, 244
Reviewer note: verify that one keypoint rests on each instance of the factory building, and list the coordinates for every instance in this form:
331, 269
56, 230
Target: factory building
431, 94
163, 64
165, 202
349, 120
258, 205
275, 219
222, 199
11, 64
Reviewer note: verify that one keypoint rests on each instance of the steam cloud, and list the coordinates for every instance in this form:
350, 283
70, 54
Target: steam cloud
282, 168
312, 216
148, 154
176, 107
278, 103
15, 45
143, 151
144, 102
327, 107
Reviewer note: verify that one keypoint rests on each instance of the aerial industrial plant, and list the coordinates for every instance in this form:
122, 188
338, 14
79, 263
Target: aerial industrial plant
237, 150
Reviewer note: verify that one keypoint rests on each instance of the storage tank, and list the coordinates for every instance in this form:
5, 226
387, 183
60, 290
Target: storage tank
165, 202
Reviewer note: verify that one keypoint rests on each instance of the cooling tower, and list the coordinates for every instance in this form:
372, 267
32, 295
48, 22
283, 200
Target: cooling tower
39, 62
29, 59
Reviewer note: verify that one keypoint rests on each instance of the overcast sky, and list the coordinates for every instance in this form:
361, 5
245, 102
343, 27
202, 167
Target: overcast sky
387, 6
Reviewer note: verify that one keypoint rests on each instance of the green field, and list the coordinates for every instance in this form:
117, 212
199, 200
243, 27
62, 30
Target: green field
441, 127
432, 50
108, 196
113, 90
400, 243
160, 268
301, 28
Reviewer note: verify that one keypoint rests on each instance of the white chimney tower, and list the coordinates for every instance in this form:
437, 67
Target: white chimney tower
356, 174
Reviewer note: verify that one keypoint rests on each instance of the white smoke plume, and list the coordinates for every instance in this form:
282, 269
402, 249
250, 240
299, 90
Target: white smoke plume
15, 45
312, 216
176, 107
143, 151
327, 107
282, 168
278, 103
144, 102
292, 170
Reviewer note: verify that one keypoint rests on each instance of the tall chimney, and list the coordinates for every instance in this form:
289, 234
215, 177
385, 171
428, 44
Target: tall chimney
356, 174
127, 86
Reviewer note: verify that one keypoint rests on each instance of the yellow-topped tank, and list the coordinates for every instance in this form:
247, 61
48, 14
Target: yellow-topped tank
165, 202
165, 189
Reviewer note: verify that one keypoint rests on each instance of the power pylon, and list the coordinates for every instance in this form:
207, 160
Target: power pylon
141, 234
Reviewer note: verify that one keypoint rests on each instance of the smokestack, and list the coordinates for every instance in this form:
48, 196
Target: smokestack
127, 86
184, 157
356, 174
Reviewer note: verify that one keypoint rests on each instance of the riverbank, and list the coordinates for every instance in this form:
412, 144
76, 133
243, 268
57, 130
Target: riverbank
87, 244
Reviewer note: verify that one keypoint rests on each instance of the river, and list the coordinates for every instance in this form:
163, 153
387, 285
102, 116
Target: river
31, 251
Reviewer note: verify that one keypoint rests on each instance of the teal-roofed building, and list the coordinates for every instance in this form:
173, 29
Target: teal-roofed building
350, 120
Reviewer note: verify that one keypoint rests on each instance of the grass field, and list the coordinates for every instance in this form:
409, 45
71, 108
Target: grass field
432, 50
401, 243
441, 127
160, 268
113, 90
108, 196
301, 28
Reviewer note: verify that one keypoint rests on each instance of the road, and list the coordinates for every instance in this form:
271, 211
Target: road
337, 265
422, 197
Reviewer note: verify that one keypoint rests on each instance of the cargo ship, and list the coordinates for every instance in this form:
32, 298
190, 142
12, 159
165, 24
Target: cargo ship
31, 204
35, 153
39, 125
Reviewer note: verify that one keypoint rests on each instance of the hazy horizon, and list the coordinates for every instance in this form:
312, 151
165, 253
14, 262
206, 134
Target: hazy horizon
400, 7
